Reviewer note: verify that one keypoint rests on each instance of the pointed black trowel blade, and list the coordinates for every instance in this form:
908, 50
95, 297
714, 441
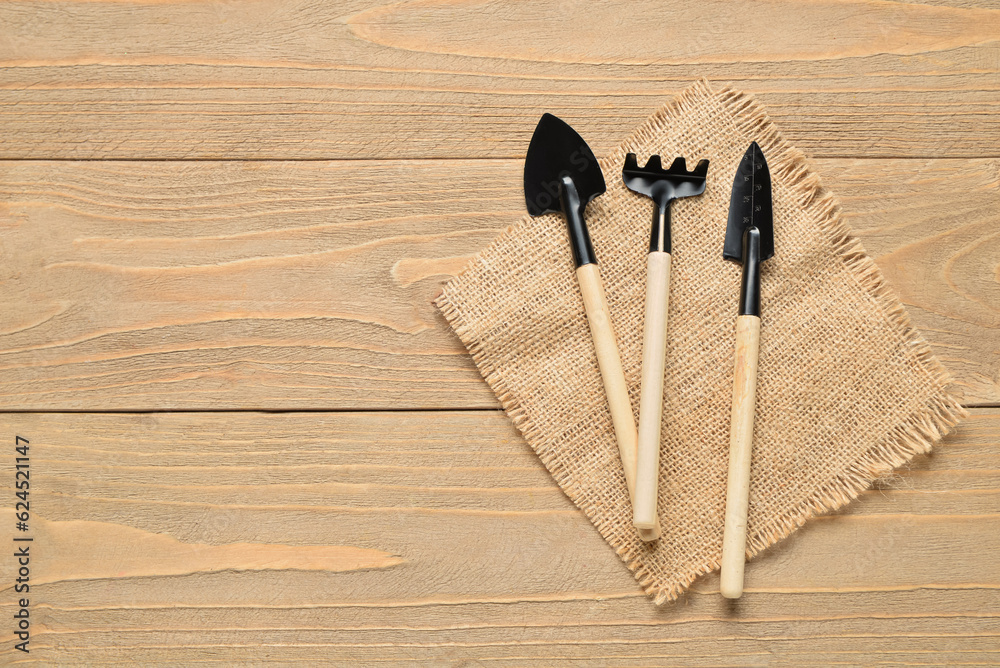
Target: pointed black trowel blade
557, 150
750, 205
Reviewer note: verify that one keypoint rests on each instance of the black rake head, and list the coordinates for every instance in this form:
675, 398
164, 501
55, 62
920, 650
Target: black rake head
664, 184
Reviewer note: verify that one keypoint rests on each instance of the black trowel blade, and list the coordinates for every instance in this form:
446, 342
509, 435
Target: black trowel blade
556, 150
750, 206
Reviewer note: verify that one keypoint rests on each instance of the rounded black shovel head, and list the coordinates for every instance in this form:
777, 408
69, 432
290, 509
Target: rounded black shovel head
556, 151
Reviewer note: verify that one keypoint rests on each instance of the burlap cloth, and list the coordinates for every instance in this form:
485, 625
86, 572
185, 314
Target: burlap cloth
847, 390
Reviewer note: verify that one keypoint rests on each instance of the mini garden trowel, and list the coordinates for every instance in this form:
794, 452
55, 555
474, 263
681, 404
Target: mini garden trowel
749, 240
662, 186
561, 174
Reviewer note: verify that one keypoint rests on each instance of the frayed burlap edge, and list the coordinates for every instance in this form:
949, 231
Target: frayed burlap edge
914, 435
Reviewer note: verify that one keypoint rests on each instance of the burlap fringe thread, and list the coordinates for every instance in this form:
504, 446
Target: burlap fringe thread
915, 435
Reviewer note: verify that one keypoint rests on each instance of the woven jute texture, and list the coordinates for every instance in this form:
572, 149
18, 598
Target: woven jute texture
847, 390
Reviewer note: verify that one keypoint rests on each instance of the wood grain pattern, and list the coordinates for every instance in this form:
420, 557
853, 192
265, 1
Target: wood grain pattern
280, 79
434, 536
491, 563
292, 285
654, 363
935, 234
84, 550
734, 540
615, 387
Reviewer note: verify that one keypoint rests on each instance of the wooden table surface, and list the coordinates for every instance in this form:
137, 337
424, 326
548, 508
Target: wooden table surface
252, 437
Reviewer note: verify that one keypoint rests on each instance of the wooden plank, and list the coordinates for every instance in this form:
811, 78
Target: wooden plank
933, 230
438, 537
300, 285
282, 79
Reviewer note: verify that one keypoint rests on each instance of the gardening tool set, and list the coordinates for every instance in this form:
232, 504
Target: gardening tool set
562, 175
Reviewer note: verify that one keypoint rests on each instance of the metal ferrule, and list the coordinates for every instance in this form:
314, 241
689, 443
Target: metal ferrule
750, 285
579, 237
659, 238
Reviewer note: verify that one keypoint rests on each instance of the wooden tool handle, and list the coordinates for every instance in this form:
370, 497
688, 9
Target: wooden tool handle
734, 540
599, 317
654, 360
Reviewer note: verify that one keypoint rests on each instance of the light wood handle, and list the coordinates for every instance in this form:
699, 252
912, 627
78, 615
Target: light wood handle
734, 540
654, 360
599, 317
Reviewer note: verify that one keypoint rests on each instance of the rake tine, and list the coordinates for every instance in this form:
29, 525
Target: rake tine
630, 162
679, 165
653, 164
702, 169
